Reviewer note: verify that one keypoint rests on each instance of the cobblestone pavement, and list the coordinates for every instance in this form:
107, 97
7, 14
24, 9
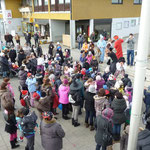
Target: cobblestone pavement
79, 138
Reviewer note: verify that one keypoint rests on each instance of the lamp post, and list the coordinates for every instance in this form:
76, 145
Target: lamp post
140, 71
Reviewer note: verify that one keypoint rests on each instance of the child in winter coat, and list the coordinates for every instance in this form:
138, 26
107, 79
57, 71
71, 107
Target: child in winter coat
51, 132
29, 127
10, 126
31, 83
19, 117
99, 82
24, 99
89, 57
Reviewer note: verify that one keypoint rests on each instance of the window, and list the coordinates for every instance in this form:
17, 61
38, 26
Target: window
117, 1
60, 5
52, 2
40, 2
40, 5
67, 1
137, 1
46, 2
61, 1
35, 2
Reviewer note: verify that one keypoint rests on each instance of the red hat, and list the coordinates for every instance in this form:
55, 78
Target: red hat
36, 96
23, 103
116, 37
29, 74
24, 92
83, 71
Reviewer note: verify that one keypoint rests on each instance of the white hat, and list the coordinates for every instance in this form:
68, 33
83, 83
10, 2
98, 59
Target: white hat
52, 77
107, 69
92, 88
98, 77
101, 36
58, 43
2, 54
118, 84
89, 53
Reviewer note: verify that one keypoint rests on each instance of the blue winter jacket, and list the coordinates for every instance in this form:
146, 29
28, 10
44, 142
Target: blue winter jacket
147, 97
31, 83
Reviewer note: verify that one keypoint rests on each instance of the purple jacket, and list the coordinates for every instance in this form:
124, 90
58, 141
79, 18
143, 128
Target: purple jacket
99, 84
63, 94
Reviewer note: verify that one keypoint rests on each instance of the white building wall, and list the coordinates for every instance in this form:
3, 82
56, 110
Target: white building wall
57, 29
124, 26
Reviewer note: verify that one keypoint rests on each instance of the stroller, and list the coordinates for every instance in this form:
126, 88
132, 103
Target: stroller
14, 69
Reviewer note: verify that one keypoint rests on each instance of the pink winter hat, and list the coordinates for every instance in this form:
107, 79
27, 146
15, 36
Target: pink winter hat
65, 82
108, 113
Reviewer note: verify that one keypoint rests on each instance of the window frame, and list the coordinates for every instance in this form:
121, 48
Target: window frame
118, 3
138, 3
40, 8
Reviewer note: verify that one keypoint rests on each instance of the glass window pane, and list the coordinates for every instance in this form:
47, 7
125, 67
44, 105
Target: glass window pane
61, 1
138, 1
46, 2
117, 1
40, 2
67, 1
52, 2
35, 2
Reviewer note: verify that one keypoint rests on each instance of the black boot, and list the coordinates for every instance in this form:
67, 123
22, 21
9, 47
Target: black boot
13, 144
72, 121
76, 124
66, 117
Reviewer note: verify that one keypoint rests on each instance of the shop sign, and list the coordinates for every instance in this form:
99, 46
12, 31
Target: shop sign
8, 14
31, 20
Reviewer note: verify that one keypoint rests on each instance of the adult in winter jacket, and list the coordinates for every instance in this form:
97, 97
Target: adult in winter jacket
147, 98
50, 49
44, 104
36, 38
63, 97
51, 133
130, 49
118, 106
100, 101
22, 77
6, 96
126, 81
21, 57
39, 51
101, 44
101, 123
118, 46
124, 139
39, 77
12, 55
89, 106
75, 93
4, 65
80, 39
33, 62
143, 142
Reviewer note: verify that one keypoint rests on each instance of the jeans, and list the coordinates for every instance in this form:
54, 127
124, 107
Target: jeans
116, 129
99, 146
30, 143
80, 45
89, 114
130, 52
4, 74
75, 112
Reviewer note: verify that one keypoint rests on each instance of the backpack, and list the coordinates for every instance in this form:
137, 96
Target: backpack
28, 123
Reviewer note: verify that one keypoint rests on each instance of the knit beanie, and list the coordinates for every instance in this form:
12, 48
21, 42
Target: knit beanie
108, 113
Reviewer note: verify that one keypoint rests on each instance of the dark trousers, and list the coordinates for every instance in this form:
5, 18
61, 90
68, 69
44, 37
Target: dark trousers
30, 143
130, 53
116, 129
99, 146
80, 45
36, 42
89, 114
65, 109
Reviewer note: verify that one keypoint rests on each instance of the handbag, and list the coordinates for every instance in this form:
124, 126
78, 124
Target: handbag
107, 137
71, 99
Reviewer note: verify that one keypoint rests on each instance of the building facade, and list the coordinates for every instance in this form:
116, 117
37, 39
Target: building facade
53, 18
13, 17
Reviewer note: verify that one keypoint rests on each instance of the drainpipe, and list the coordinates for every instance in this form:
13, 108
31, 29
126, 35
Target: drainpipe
140, 71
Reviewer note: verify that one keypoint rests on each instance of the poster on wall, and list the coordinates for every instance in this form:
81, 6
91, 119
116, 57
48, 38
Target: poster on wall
119, 26
126, 24
8, 13
133, 23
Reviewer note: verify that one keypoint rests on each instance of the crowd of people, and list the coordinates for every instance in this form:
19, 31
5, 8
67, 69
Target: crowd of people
53, 80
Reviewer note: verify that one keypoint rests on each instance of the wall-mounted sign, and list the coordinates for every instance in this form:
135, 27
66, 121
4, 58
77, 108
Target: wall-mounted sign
8, 14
